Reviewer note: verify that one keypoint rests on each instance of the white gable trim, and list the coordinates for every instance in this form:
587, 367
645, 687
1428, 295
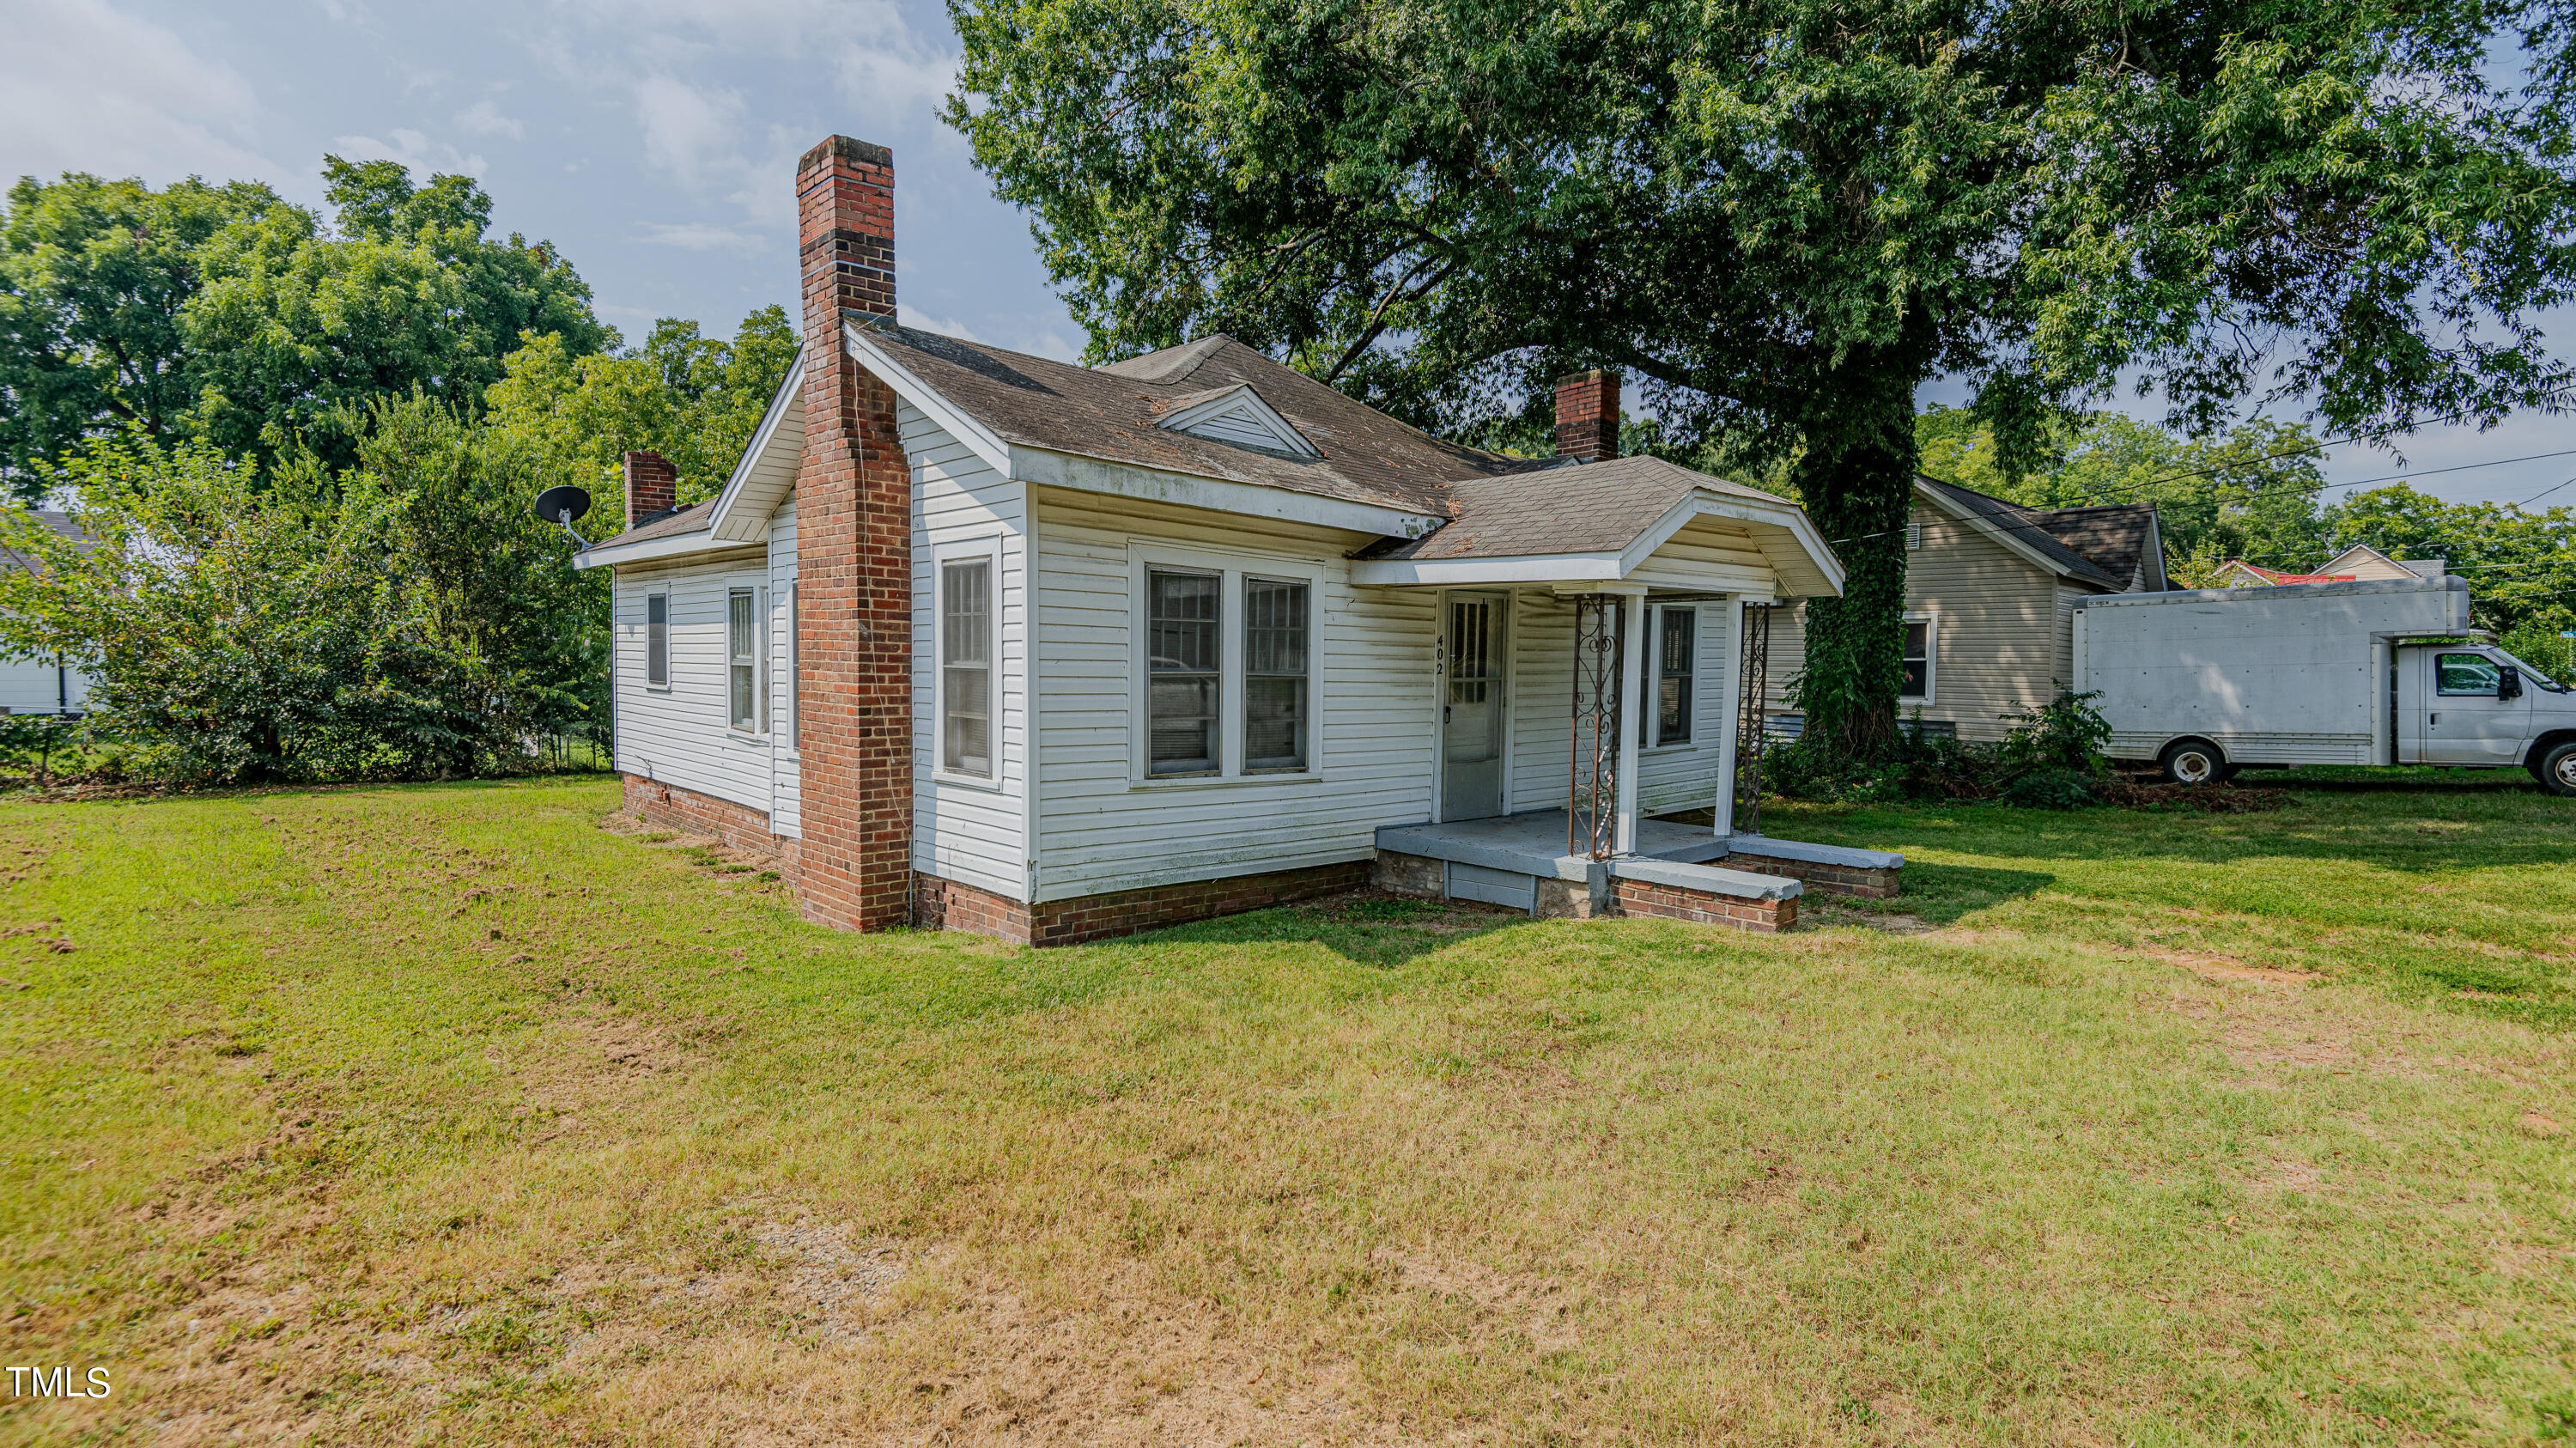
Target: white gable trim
1242, 403
768, 467
1704, 503
978, 438
2017, 546
1046, 468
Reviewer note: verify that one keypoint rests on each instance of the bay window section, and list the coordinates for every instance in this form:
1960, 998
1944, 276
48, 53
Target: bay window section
966, 667
1184, 663
1275, 668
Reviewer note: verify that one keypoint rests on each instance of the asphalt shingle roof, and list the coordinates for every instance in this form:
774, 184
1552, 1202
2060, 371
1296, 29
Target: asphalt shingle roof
2099, 545
1562, 508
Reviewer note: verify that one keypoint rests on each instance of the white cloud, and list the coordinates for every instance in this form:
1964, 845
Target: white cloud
485, 119
698, 236
689, 131
413, 150
85, 88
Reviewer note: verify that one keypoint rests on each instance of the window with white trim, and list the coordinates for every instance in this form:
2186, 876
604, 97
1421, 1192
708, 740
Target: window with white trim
1676, 663
966, 667
743, 671
1921, 642
657, 638
1275, 664
1184, 667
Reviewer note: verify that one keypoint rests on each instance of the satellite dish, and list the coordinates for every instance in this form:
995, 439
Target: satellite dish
564, 504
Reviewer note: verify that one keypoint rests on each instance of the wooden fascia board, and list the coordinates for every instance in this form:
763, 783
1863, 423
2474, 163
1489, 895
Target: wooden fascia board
678, 545
1469, 572
724, 524
1044, 467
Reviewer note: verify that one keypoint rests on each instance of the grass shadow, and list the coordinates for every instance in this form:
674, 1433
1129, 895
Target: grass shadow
1370, 928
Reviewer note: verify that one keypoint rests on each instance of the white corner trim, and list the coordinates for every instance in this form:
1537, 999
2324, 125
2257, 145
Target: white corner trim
978, 438
754, 455
1043, 467
1243, 401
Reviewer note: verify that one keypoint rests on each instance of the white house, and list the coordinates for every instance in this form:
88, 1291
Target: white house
42, 686
983, 640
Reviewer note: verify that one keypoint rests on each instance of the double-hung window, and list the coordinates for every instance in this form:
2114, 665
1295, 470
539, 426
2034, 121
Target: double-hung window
657, 638
1676, 657
744, 632
1915, 684
1184, 667
966, 667
1275, 665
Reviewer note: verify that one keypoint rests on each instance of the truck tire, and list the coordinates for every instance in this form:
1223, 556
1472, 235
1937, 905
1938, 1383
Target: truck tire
2193, 762
2557, 769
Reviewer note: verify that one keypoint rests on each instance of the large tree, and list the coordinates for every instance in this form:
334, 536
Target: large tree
1784, 215
225, 314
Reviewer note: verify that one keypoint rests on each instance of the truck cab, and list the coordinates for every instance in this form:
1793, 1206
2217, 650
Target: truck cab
2475, 705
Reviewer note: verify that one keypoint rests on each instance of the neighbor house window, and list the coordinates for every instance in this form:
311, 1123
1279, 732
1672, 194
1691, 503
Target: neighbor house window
1676, 647
1916, 682
966, 667
1274, 674
742, 659
1182, 662
657, 638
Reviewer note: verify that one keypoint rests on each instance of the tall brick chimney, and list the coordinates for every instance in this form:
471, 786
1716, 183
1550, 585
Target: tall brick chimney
853, 557
652, 487
1587, 416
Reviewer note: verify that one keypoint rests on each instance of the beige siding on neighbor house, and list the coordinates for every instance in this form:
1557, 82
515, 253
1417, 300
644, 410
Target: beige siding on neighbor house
2006, 635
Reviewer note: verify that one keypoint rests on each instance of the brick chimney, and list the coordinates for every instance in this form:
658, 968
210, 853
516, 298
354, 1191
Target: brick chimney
853, 557
652, 487
1587, 416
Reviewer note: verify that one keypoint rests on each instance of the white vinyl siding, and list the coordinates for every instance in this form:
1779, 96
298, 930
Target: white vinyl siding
1679, 777
968, 828
679, 734
1102, 824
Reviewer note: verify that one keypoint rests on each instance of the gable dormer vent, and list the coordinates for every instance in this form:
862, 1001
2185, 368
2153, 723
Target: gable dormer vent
1237, 415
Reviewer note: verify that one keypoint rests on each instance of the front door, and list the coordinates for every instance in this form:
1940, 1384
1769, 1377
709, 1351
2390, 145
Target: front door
1471, 717
2466, 720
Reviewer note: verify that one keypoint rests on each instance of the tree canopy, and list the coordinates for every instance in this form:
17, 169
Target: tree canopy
1784, 215
228, 315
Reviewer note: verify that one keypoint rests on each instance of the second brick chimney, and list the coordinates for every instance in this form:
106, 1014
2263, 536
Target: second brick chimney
652, 487
853, 557
1587, 416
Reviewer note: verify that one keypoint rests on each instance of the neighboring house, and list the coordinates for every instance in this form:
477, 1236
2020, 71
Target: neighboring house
41, 686
2360, 562
983, 640
1990, 591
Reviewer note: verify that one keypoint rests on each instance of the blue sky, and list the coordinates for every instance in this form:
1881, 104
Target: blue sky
655, 142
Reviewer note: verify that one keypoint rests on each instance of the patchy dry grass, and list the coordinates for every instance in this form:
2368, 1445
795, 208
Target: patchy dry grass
413, 1115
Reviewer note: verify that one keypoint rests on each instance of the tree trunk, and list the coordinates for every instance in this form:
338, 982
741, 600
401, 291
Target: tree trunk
1856, 480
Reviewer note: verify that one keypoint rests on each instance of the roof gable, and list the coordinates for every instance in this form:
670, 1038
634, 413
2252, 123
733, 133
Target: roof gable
1238, 415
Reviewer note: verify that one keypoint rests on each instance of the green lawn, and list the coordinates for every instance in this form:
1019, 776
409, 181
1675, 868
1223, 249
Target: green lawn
444, 1114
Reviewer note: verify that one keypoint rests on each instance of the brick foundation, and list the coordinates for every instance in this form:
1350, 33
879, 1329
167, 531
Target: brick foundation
668, 806
1830, 879
1645, 900
948, 905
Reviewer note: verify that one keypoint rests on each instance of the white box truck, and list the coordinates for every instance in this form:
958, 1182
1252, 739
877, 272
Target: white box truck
2209, 681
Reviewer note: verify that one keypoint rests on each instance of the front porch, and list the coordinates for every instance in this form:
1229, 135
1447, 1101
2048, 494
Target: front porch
1541, 861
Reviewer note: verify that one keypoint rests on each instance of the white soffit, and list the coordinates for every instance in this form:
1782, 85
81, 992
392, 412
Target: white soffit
1238, 415
768, 467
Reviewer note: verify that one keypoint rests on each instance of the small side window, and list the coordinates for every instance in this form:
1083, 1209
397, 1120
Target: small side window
1676, 659
966, 667
742, 659
2467, 674
657, 638
1916, 682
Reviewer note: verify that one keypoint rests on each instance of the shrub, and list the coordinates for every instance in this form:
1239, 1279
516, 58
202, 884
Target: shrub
2052, 788
2066, 733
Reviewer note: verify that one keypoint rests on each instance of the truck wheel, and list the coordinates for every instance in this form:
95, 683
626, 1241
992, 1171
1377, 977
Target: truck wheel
2191, 761
2557, 770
